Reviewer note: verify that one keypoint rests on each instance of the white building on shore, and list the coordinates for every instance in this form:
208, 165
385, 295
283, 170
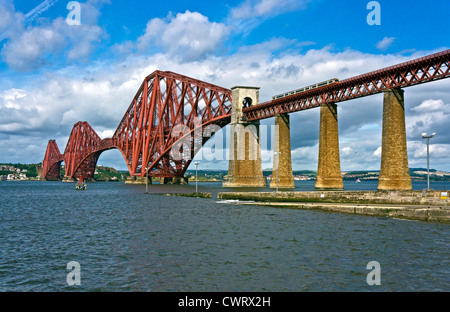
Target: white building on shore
16, 177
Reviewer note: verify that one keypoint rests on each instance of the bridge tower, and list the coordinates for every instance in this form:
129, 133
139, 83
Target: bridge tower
244, 167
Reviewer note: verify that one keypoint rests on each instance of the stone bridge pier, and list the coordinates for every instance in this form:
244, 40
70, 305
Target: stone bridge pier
329, 174
394, 170
282, 163
245, 150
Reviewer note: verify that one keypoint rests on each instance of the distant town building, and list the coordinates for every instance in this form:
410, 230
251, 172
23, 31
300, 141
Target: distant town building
16, 177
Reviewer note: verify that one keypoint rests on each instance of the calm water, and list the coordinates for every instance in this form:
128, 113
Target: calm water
126, 240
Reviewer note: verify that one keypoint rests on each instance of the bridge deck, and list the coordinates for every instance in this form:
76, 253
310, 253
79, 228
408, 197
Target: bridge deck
425, 69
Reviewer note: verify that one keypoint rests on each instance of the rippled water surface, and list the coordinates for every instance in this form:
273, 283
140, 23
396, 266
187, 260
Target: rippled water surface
126, 240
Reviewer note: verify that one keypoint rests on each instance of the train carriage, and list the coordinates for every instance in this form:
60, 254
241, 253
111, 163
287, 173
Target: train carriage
314, 86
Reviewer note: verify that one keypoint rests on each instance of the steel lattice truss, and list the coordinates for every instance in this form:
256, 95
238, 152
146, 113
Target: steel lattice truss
52, 161
167, 109
80, 152
421, 70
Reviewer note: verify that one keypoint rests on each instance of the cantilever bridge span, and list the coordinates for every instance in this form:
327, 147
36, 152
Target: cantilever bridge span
169, 107
166, 108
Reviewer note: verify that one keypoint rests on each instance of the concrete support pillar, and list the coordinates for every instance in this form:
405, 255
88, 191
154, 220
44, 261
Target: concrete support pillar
138, 180
394, 171
244, 167
329, 167
176, 180
69, 180
40, 170
282, 162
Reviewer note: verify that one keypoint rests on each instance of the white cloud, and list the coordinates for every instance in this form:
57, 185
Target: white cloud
189, 36
429, 116
11, 21
377, 152
30, 49
27, 49
11, 97
260, 8
385, 43
248, 15
347, 150
439, 155
432, 106
108, 133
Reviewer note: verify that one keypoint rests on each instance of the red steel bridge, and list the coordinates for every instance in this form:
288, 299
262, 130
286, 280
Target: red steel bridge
167, 107
167, 102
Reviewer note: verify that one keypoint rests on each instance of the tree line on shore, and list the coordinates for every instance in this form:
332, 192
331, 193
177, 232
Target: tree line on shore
103, 173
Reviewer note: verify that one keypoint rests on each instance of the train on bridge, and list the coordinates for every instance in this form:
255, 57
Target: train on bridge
314, 86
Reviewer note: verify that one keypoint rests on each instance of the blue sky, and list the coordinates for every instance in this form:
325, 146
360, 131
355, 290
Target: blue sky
342, 23
53, 74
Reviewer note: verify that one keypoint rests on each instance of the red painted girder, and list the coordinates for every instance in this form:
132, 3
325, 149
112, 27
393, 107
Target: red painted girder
83, 142
164, 102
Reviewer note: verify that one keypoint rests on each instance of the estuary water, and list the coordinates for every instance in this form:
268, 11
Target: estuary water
126, 240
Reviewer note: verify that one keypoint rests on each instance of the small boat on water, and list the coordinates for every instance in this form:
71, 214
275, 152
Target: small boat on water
80, 186
358, 181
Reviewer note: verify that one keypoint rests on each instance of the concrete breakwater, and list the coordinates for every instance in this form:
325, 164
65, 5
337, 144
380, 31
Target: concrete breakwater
415, 205
198, 195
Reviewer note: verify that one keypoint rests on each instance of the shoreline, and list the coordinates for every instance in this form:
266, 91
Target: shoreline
268, 180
